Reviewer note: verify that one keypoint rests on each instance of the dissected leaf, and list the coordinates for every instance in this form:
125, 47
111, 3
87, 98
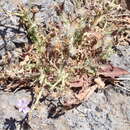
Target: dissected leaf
76, 99
83, 81
84, 93
111, 71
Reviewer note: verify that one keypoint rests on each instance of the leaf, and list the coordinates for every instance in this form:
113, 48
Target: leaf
111, 71
83, 81
76, 99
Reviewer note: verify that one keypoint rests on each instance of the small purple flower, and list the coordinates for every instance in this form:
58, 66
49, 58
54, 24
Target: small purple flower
22, 106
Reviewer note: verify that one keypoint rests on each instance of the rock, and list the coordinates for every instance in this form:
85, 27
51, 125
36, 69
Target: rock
7, 107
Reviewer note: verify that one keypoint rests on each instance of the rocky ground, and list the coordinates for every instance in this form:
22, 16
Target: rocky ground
108, 109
